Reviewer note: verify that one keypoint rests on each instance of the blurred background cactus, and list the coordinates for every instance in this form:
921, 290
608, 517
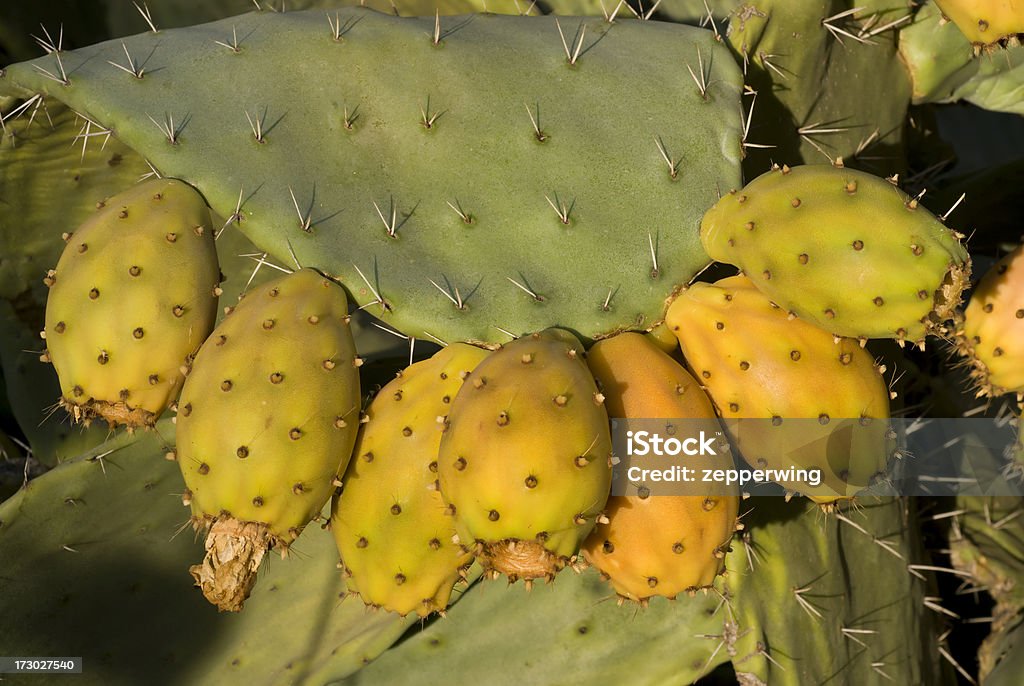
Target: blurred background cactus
470, 174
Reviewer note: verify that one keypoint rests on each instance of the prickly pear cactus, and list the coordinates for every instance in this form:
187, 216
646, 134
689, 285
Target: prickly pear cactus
94, 542
525, 461
416, 186
263, 433
794, 230
991, 335
131, 300
389, 521
379, 171
813, 69
830, 620
758, 622
658, 545
757, 362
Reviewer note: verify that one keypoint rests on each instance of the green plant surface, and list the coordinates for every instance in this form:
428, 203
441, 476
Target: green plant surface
95, 565
570, 631
853, 589
821, 599
375, 201
827, 79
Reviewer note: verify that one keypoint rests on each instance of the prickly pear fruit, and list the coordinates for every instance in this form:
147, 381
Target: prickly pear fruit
662, 337
266, 424
525, 461
843, 249
659, 544
986, 22
132, 298
757, 362
389, 521
992, 334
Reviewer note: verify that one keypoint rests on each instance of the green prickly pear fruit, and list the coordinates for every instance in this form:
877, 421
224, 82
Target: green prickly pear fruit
986, 23
658, 545
389, 521
755, 361
525, 461
266, 424
132, 298
845, 250
992, 333
662, 337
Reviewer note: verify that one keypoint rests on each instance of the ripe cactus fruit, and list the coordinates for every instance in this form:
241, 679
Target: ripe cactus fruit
843, 249
389, 521
525, 461
266, 424
986, 23
132, 298
992, 334
659, 544
757, 362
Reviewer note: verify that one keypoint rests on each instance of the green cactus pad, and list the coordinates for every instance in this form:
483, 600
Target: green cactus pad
817, 66
987, 547
827, 600
92, 567
569, 632
534, 183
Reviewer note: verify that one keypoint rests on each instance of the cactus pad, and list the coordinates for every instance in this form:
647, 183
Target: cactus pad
373, 171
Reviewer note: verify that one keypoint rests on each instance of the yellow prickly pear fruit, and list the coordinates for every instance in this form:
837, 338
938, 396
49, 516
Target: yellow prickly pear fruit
389, 520
986, 22
525, 462
841, 249
992, 334
658, 545
132, 298
266, 424
755, 361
